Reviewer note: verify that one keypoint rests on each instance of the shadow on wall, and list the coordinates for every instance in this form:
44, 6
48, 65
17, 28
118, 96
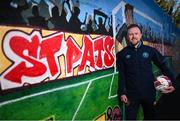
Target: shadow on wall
176, 57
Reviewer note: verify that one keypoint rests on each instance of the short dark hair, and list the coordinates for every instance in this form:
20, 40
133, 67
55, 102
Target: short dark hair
134, 25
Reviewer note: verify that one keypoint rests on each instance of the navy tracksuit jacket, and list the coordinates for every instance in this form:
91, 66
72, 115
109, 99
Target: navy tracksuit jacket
135, 71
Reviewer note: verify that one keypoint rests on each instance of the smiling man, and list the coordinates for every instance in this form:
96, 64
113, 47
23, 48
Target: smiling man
136, 79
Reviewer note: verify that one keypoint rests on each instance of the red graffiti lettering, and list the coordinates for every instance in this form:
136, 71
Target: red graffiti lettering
73, 54
20, 46
88, 54
108, 56
98, 47
49, 47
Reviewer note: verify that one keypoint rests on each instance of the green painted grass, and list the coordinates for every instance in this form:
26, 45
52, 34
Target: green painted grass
62, 104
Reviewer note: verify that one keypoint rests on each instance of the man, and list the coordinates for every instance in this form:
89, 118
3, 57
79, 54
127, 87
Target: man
136, 76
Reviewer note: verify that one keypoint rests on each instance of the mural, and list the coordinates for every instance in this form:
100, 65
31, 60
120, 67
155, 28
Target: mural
57, 57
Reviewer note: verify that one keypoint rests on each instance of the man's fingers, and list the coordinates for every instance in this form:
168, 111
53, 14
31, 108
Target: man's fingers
124, 99
168, 90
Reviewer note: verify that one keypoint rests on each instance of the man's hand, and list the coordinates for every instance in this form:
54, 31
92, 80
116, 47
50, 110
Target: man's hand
124, 99
168, 90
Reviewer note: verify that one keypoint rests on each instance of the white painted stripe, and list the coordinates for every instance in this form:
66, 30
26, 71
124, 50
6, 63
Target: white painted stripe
116, 9
82, 100
111, 86
147, 17
52, 90
114, 96
112, 80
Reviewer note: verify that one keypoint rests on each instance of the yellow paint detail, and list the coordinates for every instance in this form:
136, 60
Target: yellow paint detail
95, 36
75, 71
77, 37
118, 46
62, 67
47, 32
101, 118
50, 118
146, 43
87, 70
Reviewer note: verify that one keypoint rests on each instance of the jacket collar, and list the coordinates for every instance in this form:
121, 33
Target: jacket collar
140, 43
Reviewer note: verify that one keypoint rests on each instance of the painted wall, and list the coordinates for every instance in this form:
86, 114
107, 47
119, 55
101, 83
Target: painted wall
57, 57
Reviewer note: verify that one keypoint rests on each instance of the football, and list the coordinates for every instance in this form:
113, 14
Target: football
162, 82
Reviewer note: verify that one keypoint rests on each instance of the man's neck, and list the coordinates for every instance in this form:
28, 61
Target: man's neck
137, 45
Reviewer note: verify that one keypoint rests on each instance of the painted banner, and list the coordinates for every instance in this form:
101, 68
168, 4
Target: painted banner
35, 56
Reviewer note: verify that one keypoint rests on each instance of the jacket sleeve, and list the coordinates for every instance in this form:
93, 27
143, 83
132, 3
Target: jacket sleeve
161, 62
121, 78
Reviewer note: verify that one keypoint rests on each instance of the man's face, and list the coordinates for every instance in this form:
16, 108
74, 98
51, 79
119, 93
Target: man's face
134, 35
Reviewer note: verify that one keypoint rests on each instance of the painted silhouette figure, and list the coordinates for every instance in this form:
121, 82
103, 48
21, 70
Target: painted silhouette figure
110, 32
59, 19
101, 24
36, 19
64, 23
55, 19
89, 25
74, 21
11, 12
